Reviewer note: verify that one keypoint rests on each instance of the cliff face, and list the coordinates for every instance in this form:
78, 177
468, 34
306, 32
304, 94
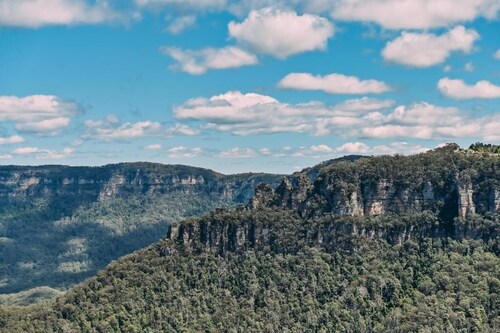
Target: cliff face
411, 185
22, 184
59, 224
282, 231
393, 198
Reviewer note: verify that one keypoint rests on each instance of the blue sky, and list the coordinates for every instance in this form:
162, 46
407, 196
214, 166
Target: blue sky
240, 86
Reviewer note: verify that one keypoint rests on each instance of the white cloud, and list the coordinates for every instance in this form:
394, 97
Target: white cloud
37, 13
197, 5
180, 129
458, 89
333, 84
418, 120
447, 68
253, 114
26, 150
425, 49
469, 67
180, 24
414, 14
40, 114
55, 155
11, 140
497, 55
49, 126
323, 151
363, 104
424, 114
198, 62
184, 152
112, 129
321, 148
353, 148
155, 146
427, 121
250, 114
265, 151
44, 154
281, 33
5, 156
238, 153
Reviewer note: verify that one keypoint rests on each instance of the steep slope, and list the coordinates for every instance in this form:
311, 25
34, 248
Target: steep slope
447, 181
288, 266
270, 270
60, 224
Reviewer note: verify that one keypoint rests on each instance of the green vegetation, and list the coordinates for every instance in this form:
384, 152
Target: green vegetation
292, 283
30, 296
485, 148
59, 225
425, 259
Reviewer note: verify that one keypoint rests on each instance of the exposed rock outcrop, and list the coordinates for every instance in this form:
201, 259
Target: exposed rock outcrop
381, 185
88, 184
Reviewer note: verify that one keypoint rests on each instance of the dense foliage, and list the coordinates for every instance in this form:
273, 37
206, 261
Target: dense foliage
364, 284
486, 148
422, 264
57, 234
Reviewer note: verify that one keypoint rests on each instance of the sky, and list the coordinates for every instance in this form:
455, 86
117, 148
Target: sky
244, 86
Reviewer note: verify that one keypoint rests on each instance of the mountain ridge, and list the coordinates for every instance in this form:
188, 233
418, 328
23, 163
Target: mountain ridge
288, 260
67, 222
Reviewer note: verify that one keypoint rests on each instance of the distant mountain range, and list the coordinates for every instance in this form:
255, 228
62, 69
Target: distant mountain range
360, 244
60, 224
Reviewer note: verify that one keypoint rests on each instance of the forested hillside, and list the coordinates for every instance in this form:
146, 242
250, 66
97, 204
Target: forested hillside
59, 224
290, 261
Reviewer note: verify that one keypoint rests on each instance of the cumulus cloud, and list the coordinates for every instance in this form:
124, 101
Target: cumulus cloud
112, 128
184, 152
44, 154
353, 148
248, 114
198, 62
497, 55
180, 24
458, 89
5, 156
362, 105
333, 84
11, 140
37, 13
414, 14
281, 33
180, 129
253, 114
39, 114
427, 121
426, 49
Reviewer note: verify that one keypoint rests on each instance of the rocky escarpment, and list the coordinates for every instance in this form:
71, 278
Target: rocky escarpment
363, 197
374, 186
87, 184
60, 224
283, 231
